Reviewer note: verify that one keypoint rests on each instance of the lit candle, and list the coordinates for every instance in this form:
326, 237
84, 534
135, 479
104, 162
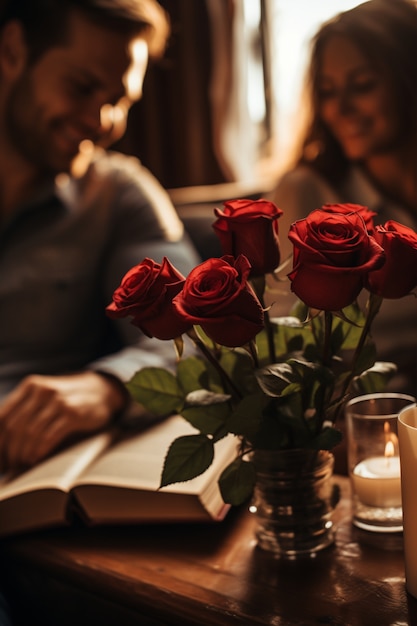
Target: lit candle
377, 480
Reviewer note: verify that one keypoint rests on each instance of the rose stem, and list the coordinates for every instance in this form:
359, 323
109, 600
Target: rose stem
227, 382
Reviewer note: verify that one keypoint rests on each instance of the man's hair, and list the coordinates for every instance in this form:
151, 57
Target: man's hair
45, 21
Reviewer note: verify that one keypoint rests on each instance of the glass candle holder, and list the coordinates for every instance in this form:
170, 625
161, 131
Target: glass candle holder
373, 460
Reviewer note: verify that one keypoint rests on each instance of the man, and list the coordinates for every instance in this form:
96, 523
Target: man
73, 218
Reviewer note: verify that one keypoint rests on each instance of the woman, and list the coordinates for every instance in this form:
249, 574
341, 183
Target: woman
359, 142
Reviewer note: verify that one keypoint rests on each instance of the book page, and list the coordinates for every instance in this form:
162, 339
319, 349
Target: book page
57, 472
122, 485
137, 461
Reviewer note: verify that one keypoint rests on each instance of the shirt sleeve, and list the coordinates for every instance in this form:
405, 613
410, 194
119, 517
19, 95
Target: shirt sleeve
143, 223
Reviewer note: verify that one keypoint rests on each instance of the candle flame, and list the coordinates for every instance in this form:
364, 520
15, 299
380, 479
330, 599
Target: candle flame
389, 449
391, 441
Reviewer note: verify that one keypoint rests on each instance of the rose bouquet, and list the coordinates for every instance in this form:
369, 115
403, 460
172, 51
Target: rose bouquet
275, 383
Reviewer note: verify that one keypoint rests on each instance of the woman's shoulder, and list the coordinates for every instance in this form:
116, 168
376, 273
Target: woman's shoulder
306, 178
302, 190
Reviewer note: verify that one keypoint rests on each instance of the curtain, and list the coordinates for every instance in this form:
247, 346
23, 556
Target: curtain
171, 129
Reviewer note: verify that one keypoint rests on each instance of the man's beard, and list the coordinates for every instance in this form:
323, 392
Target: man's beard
22, 131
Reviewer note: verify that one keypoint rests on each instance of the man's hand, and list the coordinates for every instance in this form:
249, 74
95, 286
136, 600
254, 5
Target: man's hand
43, 411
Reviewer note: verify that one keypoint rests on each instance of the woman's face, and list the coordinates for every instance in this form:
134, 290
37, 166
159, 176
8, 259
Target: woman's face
356, 101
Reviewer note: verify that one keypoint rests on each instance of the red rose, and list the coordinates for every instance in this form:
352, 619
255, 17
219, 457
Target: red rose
398, 276
217, 297
146, 293
250, 227
363, 211
333, 253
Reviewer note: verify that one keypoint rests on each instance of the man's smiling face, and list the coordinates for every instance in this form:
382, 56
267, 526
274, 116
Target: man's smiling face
69, 93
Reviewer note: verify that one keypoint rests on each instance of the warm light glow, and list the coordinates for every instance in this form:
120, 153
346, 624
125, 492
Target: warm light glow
112, 115
292, 26
107, 116
86, 147
134, 78
83, 158
389, 449
391, 442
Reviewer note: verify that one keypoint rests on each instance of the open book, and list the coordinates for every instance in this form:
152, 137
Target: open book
109, 481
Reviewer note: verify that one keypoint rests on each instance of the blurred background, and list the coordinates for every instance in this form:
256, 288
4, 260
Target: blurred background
222, 105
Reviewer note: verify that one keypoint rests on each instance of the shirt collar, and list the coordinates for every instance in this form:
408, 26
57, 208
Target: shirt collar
66, 190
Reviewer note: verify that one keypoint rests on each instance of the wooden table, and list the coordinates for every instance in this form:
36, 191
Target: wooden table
205, 575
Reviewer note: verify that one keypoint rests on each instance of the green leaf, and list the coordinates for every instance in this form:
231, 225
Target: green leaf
291, 389
290, 408
273, 379
327, 439
337, 338
237, 481
272, 434
348, 328
188, 457
238, 365
208, 419
290, 417
376, 378
306, 369
204, 397
158, 390
366, 358
262, 344
310, 372
192, 374
290, 334
246, 417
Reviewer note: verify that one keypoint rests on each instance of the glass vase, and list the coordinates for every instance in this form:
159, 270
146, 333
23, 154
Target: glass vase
294, 500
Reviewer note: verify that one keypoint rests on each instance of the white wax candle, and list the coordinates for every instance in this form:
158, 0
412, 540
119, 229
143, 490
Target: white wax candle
377, 481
